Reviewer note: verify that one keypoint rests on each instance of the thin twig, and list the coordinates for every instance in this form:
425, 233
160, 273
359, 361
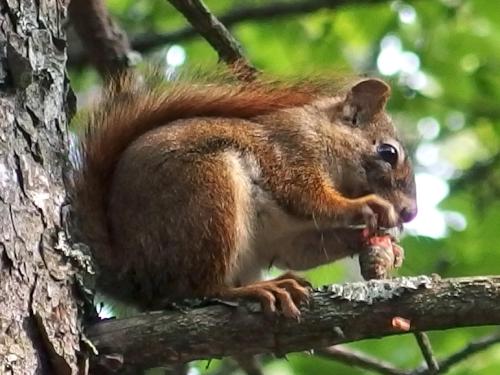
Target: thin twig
472, 348
427, 352
149, 41
355, 358
219, 37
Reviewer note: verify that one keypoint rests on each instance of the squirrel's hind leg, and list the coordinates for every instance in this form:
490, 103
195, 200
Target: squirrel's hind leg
179, 233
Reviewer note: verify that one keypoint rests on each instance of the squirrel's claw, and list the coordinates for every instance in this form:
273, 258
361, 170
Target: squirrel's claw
285, 294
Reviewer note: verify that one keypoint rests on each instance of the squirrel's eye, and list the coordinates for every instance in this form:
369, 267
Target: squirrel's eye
388, 153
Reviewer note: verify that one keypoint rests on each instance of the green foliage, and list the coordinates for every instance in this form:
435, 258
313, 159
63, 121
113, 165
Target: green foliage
455, 46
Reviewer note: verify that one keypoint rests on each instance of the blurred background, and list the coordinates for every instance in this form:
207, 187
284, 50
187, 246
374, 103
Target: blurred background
442, 59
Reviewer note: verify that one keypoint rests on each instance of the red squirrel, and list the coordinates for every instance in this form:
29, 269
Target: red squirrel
192, 189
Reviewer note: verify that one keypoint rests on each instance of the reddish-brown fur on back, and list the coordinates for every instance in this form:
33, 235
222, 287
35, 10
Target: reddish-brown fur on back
130, 109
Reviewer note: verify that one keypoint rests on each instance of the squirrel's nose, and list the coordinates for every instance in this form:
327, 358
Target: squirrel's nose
408, 213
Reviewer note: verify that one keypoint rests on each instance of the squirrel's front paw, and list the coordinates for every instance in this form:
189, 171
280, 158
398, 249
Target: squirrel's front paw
375, 212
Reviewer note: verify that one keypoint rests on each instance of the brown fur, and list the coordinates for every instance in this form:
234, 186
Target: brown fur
190, 190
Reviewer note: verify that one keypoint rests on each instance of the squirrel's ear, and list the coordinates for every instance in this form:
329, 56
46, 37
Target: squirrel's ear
365, 99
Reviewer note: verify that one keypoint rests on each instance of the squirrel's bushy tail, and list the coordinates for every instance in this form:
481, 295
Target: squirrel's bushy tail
129, 109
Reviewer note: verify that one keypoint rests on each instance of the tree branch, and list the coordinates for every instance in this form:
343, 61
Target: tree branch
228, 48
103, 42
470, 349
243, 14
355, 358
427, 352
146, 42
337, 314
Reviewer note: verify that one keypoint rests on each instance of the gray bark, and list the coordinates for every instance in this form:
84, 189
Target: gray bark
337, 314
39, 324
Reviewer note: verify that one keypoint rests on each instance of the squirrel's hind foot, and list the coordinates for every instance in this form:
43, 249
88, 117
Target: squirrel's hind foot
284, 294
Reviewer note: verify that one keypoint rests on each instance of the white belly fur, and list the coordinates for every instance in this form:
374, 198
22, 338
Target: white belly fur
266, 235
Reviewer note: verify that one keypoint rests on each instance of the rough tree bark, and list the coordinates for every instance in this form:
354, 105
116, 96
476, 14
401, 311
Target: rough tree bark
39, 324
337, 314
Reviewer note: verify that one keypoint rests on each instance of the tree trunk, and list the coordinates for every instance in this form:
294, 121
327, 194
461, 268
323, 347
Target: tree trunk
39, 322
